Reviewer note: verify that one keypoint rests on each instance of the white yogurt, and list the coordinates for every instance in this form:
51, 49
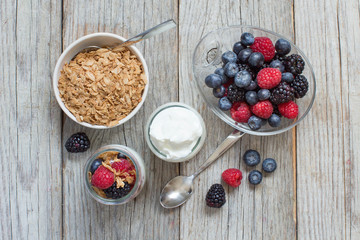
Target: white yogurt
174, 132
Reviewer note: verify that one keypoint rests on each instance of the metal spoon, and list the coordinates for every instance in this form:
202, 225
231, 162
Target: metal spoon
179, 189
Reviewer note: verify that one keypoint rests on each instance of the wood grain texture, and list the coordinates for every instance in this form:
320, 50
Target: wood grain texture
250, 212
30, 122
143, 218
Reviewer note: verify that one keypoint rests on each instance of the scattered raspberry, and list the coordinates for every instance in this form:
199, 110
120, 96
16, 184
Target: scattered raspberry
289, 109
240, 112
268, 78
265, 46
122, 166
103, 178
262, 109
232, 177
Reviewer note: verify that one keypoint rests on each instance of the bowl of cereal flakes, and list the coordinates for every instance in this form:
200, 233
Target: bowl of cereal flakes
99, 84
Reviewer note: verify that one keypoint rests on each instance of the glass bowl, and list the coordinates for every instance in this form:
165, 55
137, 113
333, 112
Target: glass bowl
207, 57
139, 168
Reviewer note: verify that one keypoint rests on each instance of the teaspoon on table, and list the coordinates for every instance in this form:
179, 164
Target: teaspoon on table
179, 189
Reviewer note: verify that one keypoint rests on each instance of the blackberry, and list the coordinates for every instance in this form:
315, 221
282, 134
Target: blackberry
282, 93
215, 197
115, 193
244, 66
78, 142
235, 94
276, 110
280, 58
294, 64
300, 85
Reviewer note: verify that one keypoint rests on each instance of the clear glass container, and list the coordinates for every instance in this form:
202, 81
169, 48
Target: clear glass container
197, 146
139, 168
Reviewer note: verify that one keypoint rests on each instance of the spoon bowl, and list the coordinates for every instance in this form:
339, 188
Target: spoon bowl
177, 191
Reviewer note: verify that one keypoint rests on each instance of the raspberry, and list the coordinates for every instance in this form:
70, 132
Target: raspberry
289, 109
262, 109
240, 112
103, 178
268, 78
265, 46
232, 177
122, 166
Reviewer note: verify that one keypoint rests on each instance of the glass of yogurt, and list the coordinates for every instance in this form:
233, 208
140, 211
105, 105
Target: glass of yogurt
175, 132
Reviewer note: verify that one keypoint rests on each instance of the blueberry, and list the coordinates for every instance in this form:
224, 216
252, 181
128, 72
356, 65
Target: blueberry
251, 157
263, 94
287, 77
255, 177
244, 55
120, 155
219, 92
263, 122
274, 120
256, 59
254, 123
238, 46
277, 64
269, 165
95, 164
282, 47
213, 80
242, 79
231, 69
228, 56
221, 73
251, 97
224, 104
247, 39
253, 85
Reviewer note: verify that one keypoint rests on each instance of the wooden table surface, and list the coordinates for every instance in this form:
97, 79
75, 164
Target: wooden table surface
314, 193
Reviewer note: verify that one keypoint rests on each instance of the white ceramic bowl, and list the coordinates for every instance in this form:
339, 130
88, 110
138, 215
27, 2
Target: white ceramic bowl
100, 40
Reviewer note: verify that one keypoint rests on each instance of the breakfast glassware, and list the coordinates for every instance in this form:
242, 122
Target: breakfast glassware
139, 168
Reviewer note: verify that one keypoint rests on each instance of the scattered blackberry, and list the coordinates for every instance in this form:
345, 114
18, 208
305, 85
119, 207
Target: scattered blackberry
115, 193
78, 142
282, 93
280, 58
294, 64
300, 85
215, 197
235, 94
244, 66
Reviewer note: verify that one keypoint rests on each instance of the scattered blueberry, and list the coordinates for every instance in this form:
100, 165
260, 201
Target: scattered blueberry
228, 56
238, 46
287, 77
213, 80
231, 69
221, 73
269, 165
219, 92
255, 177
282, 47
120, 155
224, 104
263, 94
244, 55
253, 85
247, 39
251, 97
274, 120
255, 123
95, 164
256, 59
242, 79
277, 64
251, 157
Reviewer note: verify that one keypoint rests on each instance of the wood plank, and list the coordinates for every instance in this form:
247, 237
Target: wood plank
31, 124
250, 212
321, 141
143, 218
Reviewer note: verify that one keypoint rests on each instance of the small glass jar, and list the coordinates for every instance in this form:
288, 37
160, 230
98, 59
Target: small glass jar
161, 155
139, 168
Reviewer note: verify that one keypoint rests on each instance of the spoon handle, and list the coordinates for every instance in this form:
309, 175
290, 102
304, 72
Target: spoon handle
220, 150
162, 27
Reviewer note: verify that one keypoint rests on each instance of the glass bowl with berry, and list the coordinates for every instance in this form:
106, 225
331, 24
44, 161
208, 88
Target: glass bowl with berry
114, 174
255, 80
